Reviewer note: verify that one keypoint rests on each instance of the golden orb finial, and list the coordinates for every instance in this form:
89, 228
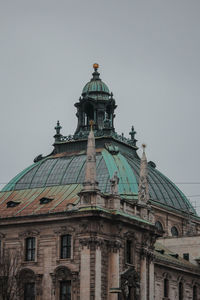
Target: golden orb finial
95, 66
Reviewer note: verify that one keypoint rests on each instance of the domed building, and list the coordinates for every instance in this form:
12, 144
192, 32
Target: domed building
86, 217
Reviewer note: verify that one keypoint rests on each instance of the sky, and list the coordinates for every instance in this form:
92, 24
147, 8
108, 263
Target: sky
149, 56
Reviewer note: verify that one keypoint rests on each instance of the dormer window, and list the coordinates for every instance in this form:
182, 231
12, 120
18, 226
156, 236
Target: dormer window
45, 200
12, 204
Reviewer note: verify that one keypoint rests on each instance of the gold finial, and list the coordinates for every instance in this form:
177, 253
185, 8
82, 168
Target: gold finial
95, 66
91, 124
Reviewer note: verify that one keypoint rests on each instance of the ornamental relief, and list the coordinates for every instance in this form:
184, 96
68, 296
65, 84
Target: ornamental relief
2, 235
29, 233
64, 230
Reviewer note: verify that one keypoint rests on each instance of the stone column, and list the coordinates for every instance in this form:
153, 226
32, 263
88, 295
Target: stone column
98, 274
143, 276
47, 258
151, 280
113, 276
85, 273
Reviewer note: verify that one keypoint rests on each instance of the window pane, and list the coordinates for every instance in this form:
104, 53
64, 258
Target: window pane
66, 246
29, 291
65, 290
30, 249
128, 251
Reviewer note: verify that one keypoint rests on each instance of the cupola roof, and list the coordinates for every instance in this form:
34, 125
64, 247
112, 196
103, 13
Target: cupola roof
96, 88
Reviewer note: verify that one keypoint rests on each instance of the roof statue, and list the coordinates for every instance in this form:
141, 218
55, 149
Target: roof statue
114, 181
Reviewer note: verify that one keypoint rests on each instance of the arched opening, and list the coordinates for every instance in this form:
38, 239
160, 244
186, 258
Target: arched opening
62, 279
28, 284
159, 225
174, 231
88, 113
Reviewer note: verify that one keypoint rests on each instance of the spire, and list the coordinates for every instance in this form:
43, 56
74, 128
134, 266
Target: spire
143, 192
90, 182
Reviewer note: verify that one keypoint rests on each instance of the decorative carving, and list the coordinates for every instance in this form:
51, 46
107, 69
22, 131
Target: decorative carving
130, 283
91, 242
64, 229
114, 246
29, 233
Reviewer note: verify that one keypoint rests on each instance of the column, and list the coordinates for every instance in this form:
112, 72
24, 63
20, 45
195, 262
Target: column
151, 280
98, 274
85, 273
113, 278
143, 276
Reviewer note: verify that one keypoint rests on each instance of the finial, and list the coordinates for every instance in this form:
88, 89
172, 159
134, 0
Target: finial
144, 147
58, 135
58, 127
91, 122
95, 66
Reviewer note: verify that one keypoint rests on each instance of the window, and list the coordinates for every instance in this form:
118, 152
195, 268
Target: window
194, 296
65, 246
29, 291
159, 225
65, 290
30, 249
174, 231
186, 256
129, 252
180, 291
166, 287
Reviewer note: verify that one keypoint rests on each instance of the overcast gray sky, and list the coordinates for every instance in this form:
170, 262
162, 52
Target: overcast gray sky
149, 56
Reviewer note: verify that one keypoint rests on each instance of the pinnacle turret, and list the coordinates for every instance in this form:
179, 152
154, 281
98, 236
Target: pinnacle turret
143, 192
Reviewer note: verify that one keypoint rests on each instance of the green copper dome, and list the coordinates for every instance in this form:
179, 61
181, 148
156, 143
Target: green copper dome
96, 88
70, 170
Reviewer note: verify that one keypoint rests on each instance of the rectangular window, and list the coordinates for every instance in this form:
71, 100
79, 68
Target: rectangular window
29, 291
166, 287
65, 246
129, 252
30, 249
65, 290
186, 256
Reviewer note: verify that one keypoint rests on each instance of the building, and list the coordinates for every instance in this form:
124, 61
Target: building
93, 220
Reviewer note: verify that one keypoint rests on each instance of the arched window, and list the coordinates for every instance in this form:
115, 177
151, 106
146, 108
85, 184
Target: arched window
28, 285
63, 283
166, 287
159, 225
194, 294
180, 291
174, 231
89, 113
